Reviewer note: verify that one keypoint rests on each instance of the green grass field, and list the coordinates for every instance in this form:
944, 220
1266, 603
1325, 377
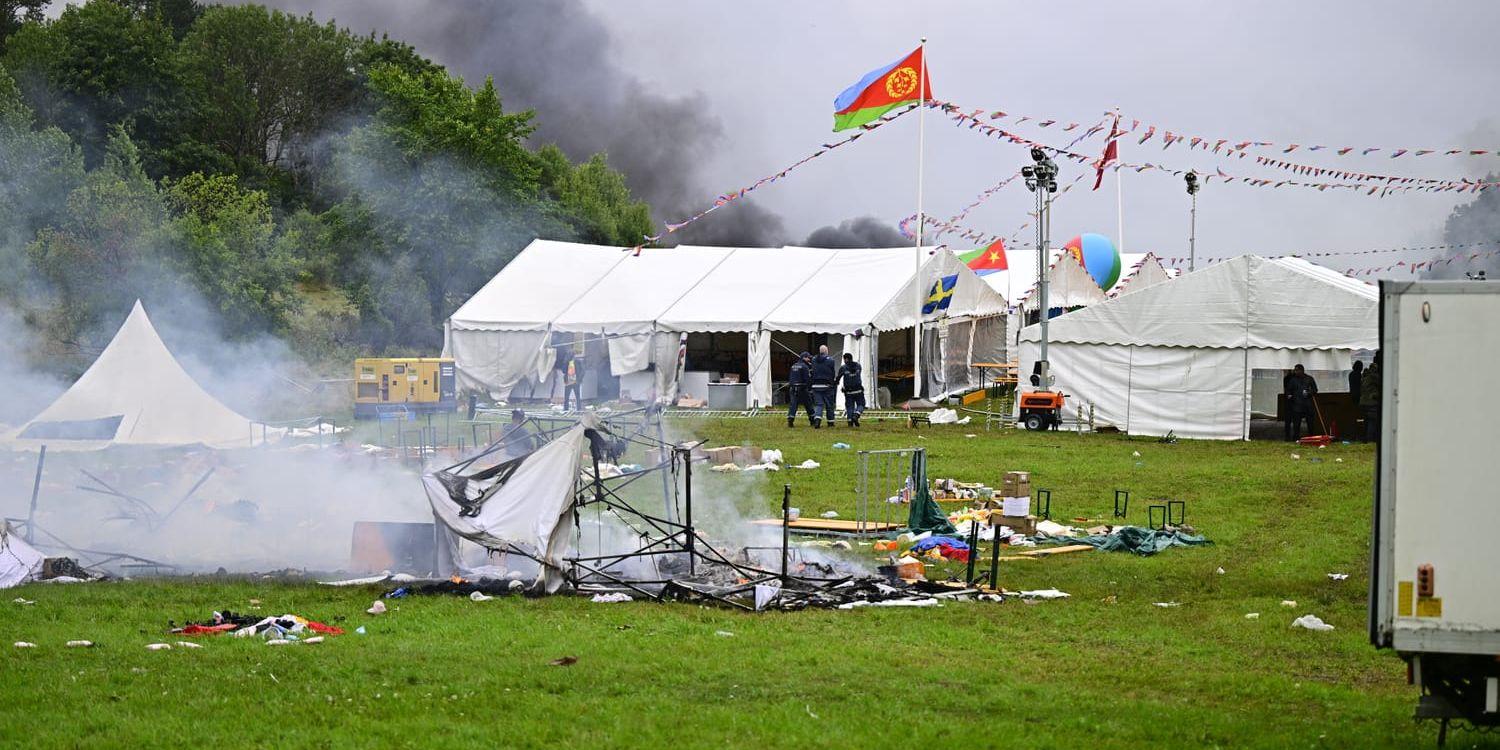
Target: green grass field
1105, 668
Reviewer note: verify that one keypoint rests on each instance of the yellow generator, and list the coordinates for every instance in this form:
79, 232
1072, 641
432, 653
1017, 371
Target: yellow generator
403, 385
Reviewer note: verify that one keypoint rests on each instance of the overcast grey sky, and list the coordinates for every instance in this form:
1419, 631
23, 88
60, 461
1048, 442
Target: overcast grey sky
750, 88
1339, 73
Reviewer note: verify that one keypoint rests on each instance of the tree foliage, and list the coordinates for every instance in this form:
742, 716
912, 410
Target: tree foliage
340, 190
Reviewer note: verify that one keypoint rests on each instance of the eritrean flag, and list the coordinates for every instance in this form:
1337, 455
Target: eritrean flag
986, 260
882, 90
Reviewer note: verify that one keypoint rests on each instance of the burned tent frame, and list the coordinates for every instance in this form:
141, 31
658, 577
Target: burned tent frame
686, 565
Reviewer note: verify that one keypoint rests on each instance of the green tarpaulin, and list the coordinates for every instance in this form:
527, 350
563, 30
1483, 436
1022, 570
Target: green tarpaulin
925, 513
1141, 541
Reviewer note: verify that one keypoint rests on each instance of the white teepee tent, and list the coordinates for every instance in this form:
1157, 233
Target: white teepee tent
136, 394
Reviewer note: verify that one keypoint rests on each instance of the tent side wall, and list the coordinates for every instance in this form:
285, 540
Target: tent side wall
1193, 392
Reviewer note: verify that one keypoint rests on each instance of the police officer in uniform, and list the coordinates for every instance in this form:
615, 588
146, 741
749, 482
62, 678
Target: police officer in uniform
824, 374
799, 393
854, 389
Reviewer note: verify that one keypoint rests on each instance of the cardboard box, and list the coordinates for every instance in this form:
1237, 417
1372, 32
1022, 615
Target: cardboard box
1016, 506
722, 455
1020, 524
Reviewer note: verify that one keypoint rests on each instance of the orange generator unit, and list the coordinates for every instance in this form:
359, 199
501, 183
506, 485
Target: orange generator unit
1041, 410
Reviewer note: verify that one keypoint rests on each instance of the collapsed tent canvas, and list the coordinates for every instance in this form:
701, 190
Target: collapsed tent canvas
523, 505
19, 561
135, 394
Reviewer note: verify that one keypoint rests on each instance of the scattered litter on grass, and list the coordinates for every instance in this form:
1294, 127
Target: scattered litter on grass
1296, 457
971, 435
158, 647
62, 579
382, 578
190, 644
314, 640
1338, 576
80, 644
831, 514
378, 608
1338, 460
1135, 454
808, 464
611, 598
809, 711
1311, 622
278, 642
771, 456
19, 600
1219, 571
1288, 603
724, 633
360, 630
726, 468
1044, 594
566, 661
1169, 604
763, 467
479, 596
25, 644
841, 446
1252, 615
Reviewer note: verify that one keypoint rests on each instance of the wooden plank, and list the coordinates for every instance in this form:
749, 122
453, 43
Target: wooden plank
1047, 551
831, 524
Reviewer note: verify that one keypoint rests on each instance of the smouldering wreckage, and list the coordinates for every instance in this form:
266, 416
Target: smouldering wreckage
542, 504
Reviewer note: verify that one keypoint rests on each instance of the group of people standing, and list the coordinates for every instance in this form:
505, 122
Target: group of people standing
813, 381
1364, 389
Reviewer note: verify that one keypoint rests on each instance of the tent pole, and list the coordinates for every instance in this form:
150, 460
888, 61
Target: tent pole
692, 534
916, 276
36, 487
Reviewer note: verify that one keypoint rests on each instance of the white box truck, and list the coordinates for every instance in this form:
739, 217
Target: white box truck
1435, 565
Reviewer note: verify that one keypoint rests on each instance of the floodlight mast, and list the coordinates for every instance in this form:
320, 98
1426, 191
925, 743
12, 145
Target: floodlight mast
1192, 188
1041, 178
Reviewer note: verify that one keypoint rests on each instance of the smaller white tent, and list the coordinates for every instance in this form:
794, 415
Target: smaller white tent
1179, 356
19, 561
1140, 270
135, 394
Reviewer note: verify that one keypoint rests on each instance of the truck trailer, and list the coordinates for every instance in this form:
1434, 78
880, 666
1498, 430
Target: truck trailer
1435, 557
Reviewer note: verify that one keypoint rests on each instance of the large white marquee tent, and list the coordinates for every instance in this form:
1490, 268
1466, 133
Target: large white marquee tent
642, 306
1179, 356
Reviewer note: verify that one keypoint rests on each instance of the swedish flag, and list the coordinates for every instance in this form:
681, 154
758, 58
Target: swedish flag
941, 295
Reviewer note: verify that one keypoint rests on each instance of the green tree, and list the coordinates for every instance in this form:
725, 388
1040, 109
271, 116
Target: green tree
41, 167
595, 200
109, 249
268, 86
98, 65
226, 242
14, 13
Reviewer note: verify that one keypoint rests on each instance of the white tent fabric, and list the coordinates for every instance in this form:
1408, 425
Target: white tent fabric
536, 286
136, 394
530, 513
638, 291
1178, 356
740, 293
19, 561
500, 337
1143, 270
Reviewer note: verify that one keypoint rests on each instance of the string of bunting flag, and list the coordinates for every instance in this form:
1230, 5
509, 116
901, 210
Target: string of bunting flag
972, 119
1228, 145
1232, 146
1423, 264
1378, 251
1307, 169
730, 197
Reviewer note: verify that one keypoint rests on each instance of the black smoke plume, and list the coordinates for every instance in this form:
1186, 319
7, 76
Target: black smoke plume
864, 231
557, 58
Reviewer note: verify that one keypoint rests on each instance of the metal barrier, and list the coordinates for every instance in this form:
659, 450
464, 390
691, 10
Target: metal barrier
881, 472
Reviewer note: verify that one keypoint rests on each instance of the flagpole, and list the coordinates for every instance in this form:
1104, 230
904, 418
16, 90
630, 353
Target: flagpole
1119, 193
916, 278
